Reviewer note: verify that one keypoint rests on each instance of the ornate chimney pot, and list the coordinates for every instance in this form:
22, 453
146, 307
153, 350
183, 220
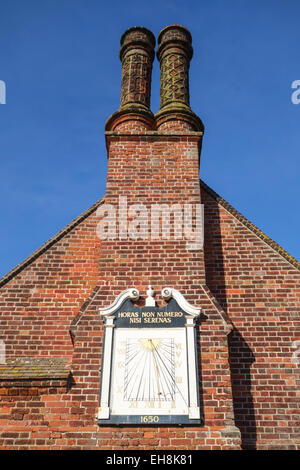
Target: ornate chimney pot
136, 55
174, 54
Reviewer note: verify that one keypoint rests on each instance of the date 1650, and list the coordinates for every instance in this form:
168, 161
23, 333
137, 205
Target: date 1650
148, 419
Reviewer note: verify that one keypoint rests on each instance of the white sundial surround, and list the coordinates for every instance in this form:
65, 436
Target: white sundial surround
148, 372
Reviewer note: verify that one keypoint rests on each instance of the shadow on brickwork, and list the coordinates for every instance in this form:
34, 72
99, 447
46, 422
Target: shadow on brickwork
202, 319
240, 355
240, 360
70, 382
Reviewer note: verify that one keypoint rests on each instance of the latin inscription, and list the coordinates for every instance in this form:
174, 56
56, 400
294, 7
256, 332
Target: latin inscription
149, 317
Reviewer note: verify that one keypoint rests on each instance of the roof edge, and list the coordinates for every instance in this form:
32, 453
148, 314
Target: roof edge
265, 238
64, 231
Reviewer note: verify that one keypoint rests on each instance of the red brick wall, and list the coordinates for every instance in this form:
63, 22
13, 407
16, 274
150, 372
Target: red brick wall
38, 305
80, 273
65, 286
40, 415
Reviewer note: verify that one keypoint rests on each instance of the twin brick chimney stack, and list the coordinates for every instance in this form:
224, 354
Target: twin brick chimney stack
154, 159
174, 54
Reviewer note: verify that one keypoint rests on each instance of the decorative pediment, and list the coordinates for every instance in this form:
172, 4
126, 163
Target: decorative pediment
167, 294
132, 294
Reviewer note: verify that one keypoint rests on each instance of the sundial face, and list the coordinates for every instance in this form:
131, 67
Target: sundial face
149, 369
149, 373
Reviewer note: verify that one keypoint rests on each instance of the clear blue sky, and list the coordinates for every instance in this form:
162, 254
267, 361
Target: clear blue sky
59, 60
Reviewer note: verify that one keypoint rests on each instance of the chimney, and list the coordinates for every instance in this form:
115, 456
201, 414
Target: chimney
174, 54
136, 55
151, 170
